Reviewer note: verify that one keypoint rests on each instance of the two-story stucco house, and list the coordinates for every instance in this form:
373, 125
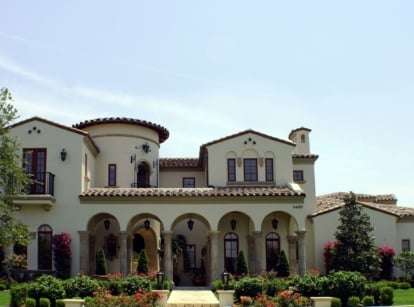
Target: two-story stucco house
104, 182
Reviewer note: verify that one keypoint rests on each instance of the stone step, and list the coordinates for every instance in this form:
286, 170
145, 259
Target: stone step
192, 298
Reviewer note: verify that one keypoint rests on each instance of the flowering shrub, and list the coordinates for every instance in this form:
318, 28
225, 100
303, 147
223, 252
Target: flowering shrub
386, 254
143, 298
327, 254
14, 261
291, 298
246, 301
62, 255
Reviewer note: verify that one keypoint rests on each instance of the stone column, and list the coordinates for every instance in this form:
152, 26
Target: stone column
301, 247
123, 253
213, 255
293, 263
84, 252
258, 252
168, 260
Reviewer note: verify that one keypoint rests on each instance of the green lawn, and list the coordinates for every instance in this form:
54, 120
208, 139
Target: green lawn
404, 297
4, 298
401, 297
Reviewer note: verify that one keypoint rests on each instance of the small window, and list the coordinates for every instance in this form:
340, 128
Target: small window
189, 182
405, 245
231, 169
269, 169
298, 176
303, 138
250, 169
112, 175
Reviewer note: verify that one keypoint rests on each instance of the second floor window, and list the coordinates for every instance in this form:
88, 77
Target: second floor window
250, 169
405, 245
231, 169
112, 175
298, 176
35, 165
188, 182
269, 169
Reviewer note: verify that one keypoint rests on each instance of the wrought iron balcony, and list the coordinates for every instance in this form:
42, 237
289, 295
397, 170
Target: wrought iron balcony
44, 183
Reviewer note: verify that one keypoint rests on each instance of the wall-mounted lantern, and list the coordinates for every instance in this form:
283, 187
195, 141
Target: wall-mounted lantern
147, 224
107, 224
146, 148
233, 223
190, 224
274, 223
63, 154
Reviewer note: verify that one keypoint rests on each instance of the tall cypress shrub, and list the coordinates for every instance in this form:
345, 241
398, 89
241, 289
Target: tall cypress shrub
101, 267
283, 265
143, 262
241, 267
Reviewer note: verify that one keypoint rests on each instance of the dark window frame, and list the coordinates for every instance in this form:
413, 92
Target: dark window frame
405, 245
44, 253
188, 182
112, 175
269, 169
272, 244
250, 171
231, 240
231, 170
298, 175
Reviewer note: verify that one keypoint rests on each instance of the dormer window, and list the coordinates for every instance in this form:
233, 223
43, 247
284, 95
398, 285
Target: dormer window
250, 169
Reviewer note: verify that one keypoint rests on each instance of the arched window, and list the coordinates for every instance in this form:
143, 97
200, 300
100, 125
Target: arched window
272, 250
231, 250
143, 174
44, 247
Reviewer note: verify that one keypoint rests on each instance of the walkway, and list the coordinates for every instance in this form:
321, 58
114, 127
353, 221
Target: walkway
192, 298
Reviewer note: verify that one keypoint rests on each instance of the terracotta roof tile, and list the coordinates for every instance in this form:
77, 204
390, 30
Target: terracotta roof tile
163, 133
179, 162
385, 203
190, 192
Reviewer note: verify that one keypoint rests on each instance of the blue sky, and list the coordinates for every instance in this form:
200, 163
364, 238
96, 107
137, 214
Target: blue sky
207, 69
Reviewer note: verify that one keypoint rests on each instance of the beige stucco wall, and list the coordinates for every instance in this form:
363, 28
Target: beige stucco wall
173, 178
263, 148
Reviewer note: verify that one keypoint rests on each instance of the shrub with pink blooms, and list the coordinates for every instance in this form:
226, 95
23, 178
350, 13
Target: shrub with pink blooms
386, 254
62, 254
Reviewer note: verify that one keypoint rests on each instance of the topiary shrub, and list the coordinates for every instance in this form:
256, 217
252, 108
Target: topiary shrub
143, 266
60, 303
30, 302
336, 302
18, 294
404, 285
283, 265
241, 266
47, 286
353, 301
134, 283
343, 284
248, 286
310, 284
386, 296
101, 267
368, 300
80, 286
44, 302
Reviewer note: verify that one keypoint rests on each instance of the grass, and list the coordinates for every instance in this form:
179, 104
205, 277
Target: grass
401, 297
404, 297
4, 298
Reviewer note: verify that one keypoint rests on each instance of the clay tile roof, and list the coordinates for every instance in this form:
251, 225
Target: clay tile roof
163, 133
179, 162
189, 192
385, 203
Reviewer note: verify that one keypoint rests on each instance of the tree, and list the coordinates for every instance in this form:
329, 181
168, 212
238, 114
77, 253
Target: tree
13, 177
143, 262
241, 267
101, 267
283, 265
405, 261
355, 249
